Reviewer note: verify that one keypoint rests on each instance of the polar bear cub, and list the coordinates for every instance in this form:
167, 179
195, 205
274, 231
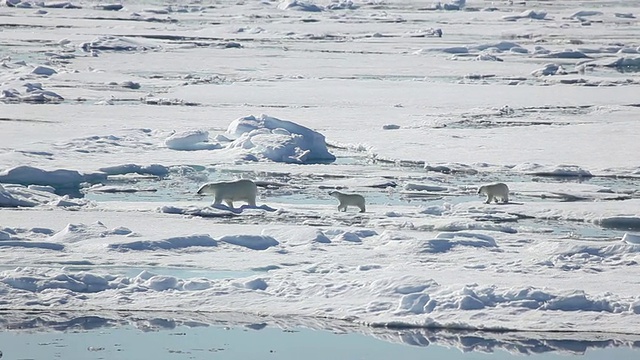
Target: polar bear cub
348, 199
494, 192
230, 191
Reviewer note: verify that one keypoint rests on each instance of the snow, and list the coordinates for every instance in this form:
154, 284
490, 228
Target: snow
190, 140
98, 204
278, 140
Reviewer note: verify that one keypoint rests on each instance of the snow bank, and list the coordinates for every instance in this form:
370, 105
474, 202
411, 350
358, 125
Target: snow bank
278, 140
253, 242
7, 199
350, 235
423, 187
342, 5
451, 168
500, 46
115, 43
297, 236
12, 195
59, 179
34, 93
191, 140
550, 69
172, 243
566, 54
527, 14
76, 233
619, 222
432, 300
625, 64
556, 170
452, 5
298, 5
51, 5
153, 169
585, 13
446, 241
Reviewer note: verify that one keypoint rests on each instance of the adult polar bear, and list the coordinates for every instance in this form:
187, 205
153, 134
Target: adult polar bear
348, 199
230, 191
494, 192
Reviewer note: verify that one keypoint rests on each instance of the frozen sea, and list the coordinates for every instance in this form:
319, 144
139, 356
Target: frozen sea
113, 115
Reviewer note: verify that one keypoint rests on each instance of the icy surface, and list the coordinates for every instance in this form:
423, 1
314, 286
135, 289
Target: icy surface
113, 116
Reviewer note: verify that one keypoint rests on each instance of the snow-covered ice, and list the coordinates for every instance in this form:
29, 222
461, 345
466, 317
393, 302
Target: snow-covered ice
383, 99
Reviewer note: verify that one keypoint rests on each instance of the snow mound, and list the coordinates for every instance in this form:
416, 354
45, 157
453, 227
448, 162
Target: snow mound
433, 300
423, 187
278, 140
298, 236
253, 242
179, 242
527, 14
76, 233
78, 283
299, 5
43, 71
500, 46
585, 13
33, 195
436, 210
446, 241
619, 222
34, 94
550, 69
191, 140
7, 199
566, 54
451, 168
631, 239
626, 64
114, 43
31, 244
342, 5
558, 170
255, 284
59, 179
354, 236
153, 169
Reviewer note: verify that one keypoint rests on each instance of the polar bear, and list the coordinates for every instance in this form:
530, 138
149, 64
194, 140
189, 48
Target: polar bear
348, 199
494, 192
230, 191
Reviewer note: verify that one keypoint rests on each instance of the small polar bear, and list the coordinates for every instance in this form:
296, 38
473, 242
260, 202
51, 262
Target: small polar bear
348, 199
230, 191
494, 192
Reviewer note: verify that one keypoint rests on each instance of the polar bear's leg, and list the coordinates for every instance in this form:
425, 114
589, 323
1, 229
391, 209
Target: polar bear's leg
229, 203
505, 198
361, 206
251, 201
217, 200
342, 207
489, 199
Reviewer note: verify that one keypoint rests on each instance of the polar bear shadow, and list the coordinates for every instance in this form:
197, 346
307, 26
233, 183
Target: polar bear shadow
242, 208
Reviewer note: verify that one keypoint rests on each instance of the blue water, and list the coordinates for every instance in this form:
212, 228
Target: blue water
261, 341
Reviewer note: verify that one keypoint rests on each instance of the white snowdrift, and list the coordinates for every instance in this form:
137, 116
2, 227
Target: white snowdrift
60, 178
278, 140
191, 140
